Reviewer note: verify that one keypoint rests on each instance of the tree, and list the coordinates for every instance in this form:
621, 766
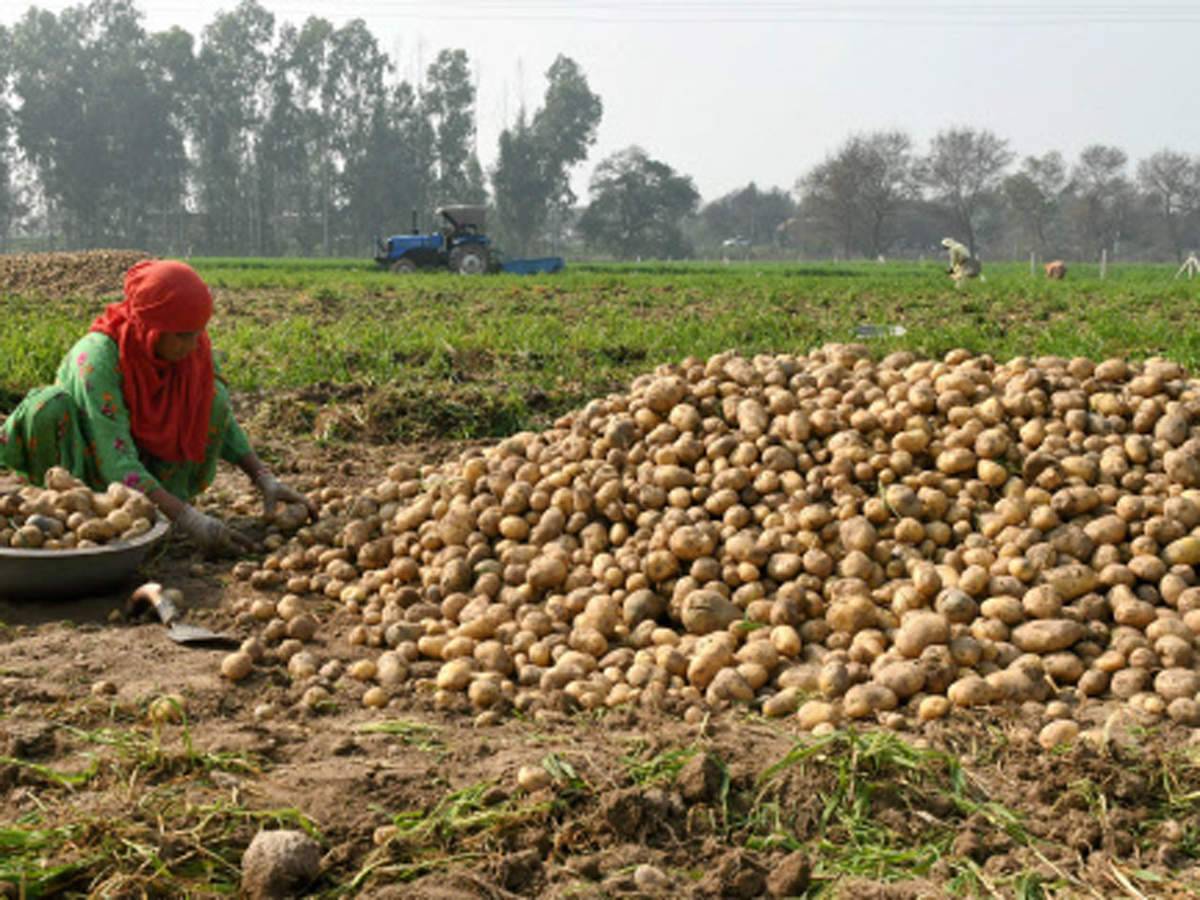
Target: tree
888, 180
566, 124
52, 129
98, 121
449, 104
854, 195
234, 62
637, 205
1103, 196
360, 69
171, 59
831, 197
964, 169
10, 206
749, 213
284, 182
1035, 195
536, 154
520, 183
1172, 181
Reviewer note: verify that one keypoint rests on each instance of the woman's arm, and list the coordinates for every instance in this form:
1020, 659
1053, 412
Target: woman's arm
273, 490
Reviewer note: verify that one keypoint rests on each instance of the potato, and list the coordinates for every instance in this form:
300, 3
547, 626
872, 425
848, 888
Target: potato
237, 665
456, 674
709, 659
1171, 684
783, 703
533, 778
852, 614
902, 678
1060, 731
863, 700
907, 533
970, 690
729, 685
933, 707
98, 530
705, 611
814, 713
920, 630
1047, 635
375, 697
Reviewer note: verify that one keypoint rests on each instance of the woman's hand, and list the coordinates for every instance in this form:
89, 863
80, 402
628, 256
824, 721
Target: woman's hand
275, 491
211, 535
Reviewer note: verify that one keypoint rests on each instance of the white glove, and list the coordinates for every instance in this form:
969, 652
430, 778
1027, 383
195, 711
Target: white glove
211, 535
274, 491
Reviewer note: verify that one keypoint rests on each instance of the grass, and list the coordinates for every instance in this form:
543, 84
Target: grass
862, 776
416, 734
160, 841
445, 356
460, 828
663, 766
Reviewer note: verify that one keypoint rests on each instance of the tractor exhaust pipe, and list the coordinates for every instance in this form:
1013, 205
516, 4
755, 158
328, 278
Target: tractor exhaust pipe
415, 229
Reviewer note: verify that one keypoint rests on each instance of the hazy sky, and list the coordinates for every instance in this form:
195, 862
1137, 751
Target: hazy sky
729, 92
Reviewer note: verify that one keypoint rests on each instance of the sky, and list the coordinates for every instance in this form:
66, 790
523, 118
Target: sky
761, 90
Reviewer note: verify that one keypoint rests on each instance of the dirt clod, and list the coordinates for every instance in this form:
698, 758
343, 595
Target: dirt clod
700, 779
624, 814
29, 740
790, 876
652, 880
736, 875
278, 864
517, 871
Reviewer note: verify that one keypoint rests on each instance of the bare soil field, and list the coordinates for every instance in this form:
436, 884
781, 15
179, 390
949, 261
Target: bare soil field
104, 791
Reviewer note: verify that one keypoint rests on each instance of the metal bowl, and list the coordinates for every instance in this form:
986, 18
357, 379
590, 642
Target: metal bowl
61, 574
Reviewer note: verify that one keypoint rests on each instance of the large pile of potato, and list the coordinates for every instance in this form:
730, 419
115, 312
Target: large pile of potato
68, 515
826, 536
86, 273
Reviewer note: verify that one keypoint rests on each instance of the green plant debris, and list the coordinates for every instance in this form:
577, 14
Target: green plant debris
416, 734
660, 767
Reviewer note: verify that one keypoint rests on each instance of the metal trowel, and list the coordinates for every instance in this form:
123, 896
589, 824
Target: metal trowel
152, 596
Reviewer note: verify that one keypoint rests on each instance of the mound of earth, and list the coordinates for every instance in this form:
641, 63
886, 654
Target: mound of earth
89, 273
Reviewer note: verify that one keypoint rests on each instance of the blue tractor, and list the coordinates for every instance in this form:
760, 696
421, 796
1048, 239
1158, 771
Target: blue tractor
459, 246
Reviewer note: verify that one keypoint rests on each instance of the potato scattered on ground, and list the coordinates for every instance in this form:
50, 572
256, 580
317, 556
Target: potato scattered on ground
823, 536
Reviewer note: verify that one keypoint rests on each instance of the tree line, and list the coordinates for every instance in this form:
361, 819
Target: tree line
257, 138
262, 138
877, 195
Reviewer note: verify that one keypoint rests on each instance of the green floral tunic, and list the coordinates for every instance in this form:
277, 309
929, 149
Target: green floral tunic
81, 423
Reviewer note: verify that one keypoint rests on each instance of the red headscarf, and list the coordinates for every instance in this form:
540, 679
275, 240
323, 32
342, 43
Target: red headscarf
169, 403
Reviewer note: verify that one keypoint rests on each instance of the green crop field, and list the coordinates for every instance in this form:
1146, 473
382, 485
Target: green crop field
436, 355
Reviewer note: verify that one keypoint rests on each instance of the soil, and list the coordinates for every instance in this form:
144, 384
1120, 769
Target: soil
90, 273
413, 802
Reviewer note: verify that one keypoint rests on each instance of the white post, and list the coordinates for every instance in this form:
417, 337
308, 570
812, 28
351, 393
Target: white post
1103, 263
1032, 264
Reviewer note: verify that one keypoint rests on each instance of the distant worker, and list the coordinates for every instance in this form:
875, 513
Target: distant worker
962, 264
1191, 266
1056, 270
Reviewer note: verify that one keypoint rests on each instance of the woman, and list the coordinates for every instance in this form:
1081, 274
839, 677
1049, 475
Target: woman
138, 401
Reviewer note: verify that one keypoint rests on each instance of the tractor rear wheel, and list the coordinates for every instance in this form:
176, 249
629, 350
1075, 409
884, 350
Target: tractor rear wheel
404, 266
469, 260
